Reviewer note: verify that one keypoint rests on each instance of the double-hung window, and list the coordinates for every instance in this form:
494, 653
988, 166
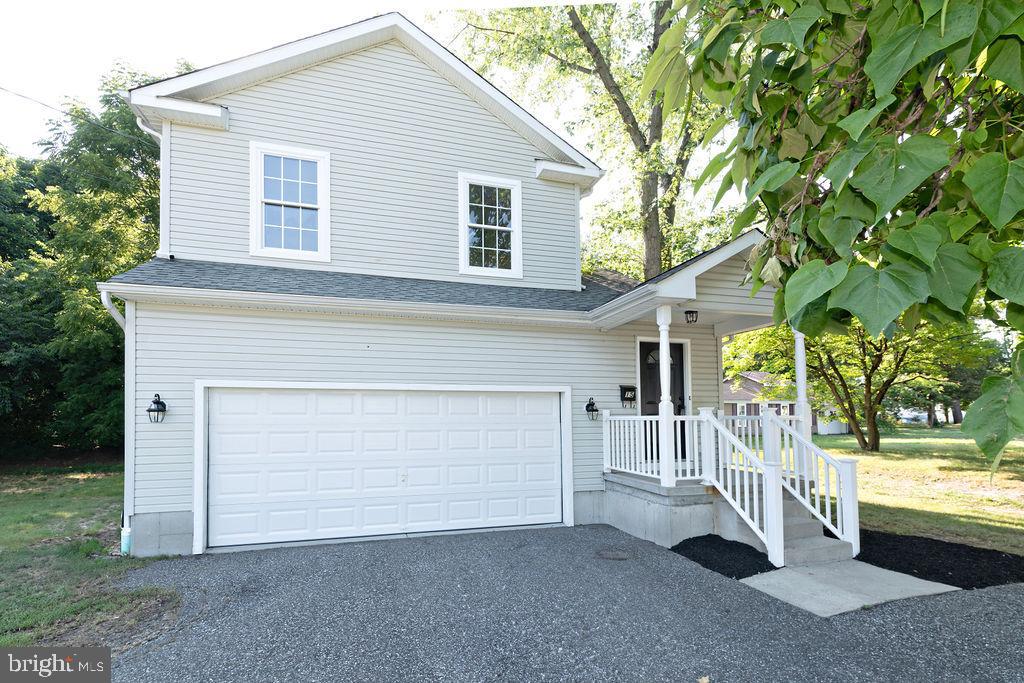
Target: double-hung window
490, 239
290, 213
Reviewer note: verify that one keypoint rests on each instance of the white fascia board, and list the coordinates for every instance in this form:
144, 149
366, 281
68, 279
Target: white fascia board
367, 307
626, 308
205, 82
244, 71
156, 109
585, 178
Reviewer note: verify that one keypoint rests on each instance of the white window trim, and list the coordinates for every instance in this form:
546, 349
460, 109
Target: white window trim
517, 223
257, 149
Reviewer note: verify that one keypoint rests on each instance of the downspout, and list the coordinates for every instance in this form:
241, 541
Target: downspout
141, 123
126, 530
112, 310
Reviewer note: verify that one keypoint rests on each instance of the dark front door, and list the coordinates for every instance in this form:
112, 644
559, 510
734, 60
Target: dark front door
650, 378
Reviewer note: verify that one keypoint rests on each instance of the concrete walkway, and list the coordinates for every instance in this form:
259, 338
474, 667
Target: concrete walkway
837, 587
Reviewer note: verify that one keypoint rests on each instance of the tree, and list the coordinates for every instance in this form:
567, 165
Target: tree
616, 242
857, 372
604, 49
884, 141
97, 215
21, 226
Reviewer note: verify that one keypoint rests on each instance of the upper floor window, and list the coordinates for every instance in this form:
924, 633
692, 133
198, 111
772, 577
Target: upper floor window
290, 212
490, 239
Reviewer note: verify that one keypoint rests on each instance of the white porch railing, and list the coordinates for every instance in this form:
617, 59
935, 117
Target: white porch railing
703, 448
750, 460
631, 445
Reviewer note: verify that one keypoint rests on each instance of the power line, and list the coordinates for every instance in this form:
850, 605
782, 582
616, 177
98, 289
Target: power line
80, 117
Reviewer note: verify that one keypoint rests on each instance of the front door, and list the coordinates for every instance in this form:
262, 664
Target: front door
650, 378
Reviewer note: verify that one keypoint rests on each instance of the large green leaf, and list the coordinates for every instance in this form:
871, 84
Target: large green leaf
954, 275
1015, 316
912, 44
793, 30
1006, 274
855, 123
793, 144
840, 232
996, 18
1006, 62
772, 178
997, 416
813, 319
894, 171
921, 241
877, 297
998, 187
811, 281
844, 163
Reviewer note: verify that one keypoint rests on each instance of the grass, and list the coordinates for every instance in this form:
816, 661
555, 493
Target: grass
936, 483
57, 571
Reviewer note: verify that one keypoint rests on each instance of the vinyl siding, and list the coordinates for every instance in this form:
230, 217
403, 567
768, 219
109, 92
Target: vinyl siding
721, 289
398, 134
176, 345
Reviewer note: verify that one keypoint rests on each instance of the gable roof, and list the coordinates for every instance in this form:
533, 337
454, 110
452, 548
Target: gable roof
185, 97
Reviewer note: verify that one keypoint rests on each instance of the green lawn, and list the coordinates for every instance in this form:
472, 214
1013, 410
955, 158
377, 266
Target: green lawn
60, 526
936, 483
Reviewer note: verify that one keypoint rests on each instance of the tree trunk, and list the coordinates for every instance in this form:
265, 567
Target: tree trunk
871, 423
931, 414
653, 239
958, 412
945, 413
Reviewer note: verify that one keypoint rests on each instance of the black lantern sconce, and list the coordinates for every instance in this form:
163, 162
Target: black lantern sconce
691, 317
592, 409
157, 409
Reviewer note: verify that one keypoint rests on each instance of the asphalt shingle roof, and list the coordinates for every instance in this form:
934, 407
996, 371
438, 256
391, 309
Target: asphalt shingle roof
274, 280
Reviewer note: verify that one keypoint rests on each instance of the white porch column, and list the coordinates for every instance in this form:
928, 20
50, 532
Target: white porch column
803, 406
666, 444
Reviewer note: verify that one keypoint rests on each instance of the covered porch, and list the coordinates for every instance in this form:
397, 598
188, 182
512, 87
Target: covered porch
765, 467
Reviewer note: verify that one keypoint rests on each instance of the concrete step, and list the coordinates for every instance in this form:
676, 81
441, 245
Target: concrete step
816, 550
801, 527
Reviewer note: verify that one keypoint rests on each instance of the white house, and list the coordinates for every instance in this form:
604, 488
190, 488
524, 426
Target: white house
366, 318
744, 396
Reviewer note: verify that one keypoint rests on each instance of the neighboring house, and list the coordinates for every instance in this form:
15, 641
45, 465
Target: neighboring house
743, 397
366, 317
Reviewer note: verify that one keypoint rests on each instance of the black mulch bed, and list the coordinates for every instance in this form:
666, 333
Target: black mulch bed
955, 564
729, 558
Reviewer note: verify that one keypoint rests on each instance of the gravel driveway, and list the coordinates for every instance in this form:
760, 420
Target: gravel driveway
543, 604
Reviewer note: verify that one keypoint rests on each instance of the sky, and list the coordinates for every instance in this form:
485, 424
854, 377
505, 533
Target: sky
59, 50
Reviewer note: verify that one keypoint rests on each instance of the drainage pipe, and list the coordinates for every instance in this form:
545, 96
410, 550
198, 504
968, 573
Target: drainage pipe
126, 530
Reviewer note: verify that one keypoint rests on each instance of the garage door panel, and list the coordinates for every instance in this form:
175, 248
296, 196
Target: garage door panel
290, 465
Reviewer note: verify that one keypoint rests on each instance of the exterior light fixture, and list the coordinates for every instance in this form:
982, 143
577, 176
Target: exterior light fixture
691, 317
157, 409
591, 409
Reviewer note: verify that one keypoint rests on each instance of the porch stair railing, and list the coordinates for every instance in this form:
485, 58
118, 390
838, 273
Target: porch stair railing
752, 486
750, 460
824, 484
703, 449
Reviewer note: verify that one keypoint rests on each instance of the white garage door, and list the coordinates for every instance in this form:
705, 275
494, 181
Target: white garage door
291, 465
